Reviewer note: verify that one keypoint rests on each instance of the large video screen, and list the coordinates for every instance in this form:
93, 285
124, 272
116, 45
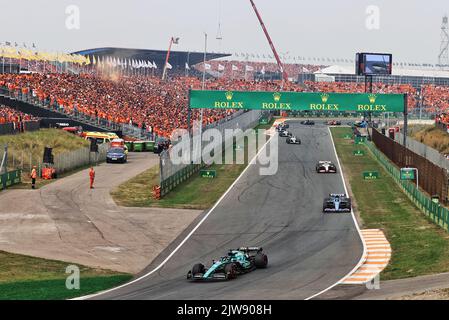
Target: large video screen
373, 63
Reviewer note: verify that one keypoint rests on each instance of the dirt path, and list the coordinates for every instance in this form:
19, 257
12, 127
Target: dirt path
67, 221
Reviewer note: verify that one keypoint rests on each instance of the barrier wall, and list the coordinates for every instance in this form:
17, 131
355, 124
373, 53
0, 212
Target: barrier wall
434, 211
432, 178
425, 151
10, 178
172, 175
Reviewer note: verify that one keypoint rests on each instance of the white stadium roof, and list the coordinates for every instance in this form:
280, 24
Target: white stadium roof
397, 71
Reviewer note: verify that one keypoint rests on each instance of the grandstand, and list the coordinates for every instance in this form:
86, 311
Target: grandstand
178, 59
413, 77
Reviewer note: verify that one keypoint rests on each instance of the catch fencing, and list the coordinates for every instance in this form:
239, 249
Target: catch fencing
434, 211
423, 150
432, 178
63, 162
171, 174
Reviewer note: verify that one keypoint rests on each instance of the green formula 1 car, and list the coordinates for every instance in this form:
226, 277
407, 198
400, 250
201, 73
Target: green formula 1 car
238, 261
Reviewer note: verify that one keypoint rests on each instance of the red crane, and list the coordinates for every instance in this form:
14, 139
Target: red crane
278, 60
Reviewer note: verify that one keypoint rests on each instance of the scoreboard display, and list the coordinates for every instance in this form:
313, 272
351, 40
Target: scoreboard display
373, 64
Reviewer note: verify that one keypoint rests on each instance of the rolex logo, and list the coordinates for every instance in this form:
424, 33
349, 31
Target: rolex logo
324, 97
229, 95
276, 96
372, 98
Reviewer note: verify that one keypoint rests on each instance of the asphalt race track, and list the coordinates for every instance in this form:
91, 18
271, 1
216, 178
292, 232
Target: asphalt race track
307, 250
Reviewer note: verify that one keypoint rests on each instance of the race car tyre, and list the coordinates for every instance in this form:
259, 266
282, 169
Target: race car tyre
198, 268
261, 260
230, 271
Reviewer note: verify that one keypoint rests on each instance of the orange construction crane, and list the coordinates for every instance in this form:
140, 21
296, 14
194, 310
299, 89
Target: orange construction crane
278, 60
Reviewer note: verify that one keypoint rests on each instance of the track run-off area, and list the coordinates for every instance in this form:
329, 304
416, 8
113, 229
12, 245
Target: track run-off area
308, 251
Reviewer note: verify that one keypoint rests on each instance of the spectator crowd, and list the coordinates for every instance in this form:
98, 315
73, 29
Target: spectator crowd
161, 106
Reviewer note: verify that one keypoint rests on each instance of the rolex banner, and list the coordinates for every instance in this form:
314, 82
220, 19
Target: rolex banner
313, 101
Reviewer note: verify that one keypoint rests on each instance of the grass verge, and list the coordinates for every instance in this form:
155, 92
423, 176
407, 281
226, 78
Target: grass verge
419, 246
29, 278
195, 193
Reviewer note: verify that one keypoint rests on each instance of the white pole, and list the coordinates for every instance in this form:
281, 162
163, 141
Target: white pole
202, 88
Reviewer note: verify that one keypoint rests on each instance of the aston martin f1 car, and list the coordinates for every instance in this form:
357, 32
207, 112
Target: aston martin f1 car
237, 261
337, 203
293, 140
285, 133
326, 167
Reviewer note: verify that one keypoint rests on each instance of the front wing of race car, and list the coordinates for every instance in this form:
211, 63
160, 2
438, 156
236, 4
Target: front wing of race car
326, 169
331, 205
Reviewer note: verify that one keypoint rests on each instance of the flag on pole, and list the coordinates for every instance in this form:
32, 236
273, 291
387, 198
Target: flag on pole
263, 70
168, 65
207, 66
187, 66
220, 67
234, 68
248, 68
154, 65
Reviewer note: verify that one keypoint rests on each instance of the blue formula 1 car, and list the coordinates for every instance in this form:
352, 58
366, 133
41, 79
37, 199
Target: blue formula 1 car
238, 261
337, 203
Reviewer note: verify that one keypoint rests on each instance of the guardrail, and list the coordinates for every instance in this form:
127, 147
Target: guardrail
434, 211
9, 178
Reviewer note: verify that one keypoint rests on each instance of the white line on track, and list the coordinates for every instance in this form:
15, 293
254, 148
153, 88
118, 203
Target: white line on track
363, 257
186, 238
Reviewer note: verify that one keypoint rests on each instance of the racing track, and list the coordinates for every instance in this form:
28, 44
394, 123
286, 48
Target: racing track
307, 250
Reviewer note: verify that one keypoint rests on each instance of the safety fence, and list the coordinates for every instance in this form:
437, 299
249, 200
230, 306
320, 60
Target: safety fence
63, 162
10, 178
423, 150
433, 210
432, 178
171, 174
12, 128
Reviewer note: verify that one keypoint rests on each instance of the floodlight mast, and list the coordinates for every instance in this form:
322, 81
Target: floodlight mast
278, 60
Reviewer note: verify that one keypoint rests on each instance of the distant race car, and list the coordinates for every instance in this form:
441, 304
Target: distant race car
308, 122
282, 126
237, 261
293, 140
285, 133
326, 167
333, 123
337, 203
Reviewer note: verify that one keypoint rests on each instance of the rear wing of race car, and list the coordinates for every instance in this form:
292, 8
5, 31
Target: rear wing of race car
324, 162
337, 195
250, 249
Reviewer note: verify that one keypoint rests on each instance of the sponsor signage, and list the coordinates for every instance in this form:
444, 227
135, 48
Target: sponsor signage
10, 178
358, 152
312, 101
407, 174
208, 173
370, 175
263, 121
347, 137
359, 140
